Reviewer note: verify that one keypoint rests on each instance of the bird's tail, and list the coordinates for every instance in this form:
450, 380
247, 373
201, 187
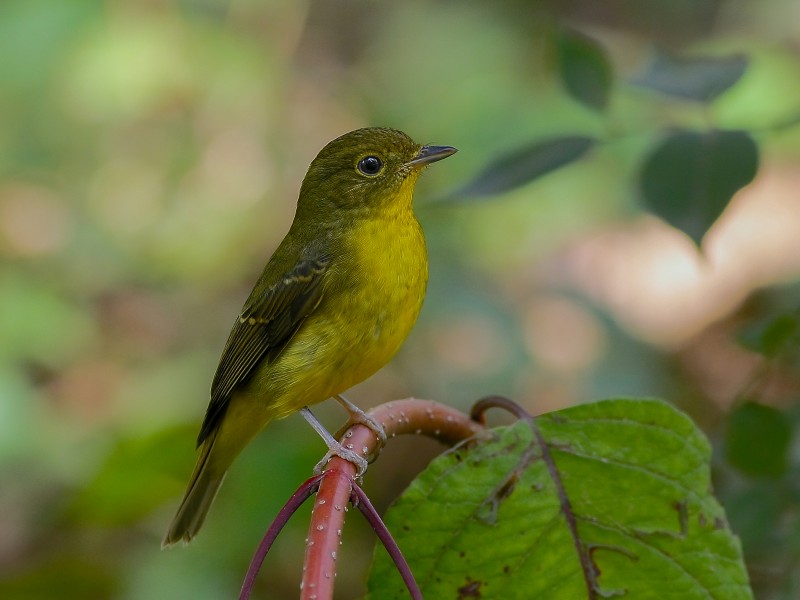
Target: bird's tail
200, 493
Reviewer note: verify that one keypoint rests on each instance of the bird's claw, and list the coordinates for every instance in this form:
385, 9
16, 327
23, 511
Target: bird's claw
358, 416
347, 454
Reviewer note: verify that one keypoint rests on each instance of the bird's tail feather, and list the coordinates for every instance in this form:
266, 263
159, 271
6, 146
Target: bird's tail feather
199, 496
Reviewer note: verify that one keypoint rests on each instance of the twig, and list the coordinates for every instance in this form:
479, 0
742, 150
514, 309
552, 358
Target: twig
379, 527
336, 485
402, 416
325, 530
301, 495
478, 412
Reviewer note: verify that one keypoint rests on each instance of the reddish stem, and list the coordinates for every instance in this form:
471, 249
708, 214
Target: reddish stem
402, 416
373, 518
325, 531
301, 495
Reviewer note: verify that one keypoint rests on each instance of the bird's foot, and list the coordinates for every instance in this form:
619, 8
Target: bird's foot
347, 454
334, 447
359, 416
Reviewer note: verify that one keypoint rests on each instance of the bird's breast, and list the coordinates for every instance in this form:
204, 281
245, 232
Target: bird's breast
381, 290
371, 299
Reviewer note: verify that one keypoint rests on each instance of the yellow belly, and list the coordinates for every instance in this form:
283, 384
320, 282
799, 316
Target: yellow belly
368, 309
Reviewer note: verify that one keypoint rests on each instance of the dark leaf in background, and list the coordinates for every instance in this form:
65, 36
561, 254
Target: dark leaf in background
584, 68
67, 577
772, 336
754, 511
524, 165
701, 79
690, 177
757, 440
138, 475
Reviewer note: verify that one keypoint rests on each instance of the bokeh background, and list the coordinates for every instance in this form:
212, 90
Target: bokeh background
150, 157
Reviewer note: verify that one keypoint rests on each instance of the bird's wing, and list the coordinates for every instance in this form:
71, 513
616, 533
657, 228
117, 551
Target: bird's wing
266, 324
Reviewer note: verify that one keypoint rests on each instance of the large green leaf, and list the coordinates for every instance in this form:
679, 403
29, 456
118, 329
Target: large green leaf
600, 500
691, 176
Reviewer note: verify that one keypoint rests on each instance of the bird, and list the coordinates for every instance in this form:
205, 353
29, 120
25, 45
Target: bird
333, 305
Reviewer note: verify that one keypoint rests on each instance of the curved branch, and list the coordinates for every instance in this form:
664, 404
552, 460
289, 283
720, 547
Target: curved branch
301, 495
423, 417
478, 412
361, 500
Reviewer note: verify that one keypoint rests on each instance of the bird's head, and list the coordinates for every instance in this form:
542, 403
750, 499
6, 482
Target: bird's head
367, 169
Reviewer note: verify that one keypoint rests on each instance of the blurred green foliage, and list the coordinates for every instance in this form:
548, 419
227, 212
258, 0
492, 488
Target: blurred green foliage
150, 158
690, 178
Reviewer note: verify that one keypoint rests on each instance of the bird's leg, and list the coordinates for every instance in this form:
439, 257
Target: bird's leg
359, 416
334, 447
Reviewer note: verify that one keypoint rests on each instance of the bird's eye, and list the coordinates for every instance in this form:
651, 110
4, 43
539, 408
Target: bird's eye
370, 165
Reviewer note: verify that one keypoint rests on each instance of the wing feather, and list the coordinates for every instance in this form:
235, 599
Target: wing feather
263, 328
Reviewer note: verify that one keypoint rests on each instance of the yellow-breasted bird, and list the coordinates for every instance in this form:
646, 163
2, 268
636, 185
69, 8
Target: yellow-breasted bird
333, 305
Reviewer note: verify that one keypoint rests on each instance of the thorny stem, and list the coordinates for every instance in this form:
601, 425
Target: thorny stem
327, 520
361, 500
325, 530
301, 495
336, 486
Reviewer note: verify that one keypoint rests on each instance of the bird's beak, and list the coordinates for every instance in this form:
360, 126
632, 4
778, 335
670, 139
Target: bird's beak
430, 154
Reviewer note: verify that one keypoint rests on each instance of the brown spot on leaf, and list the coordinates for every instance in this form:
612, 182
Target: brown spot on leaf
507, 488
683, 515
471, 589
488, 511
595, 566
611, 548
719, 523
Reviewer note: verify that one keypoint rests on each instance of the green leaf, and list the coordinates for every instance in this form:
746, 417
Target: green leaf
699, 78
41, 32
599, 500
31, 310
757, 440
773, 336
585, 69
138, 475
524, 165
756, 510
68, 577
691, 176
